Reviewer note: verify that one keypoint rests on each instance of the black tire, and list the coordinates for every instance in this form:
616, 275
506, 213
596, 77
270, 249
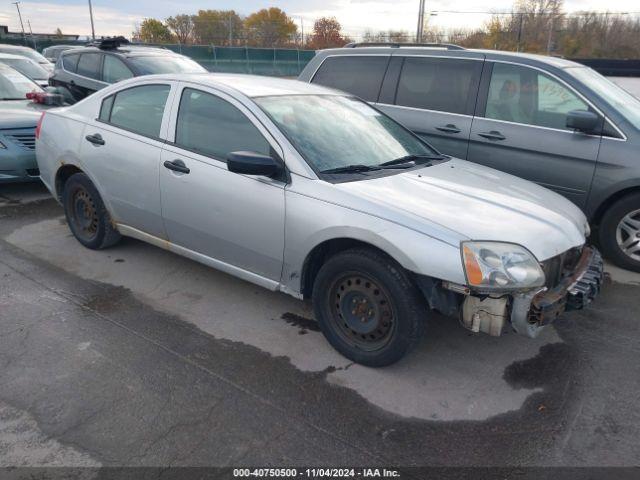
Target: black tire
608, 233
86, 214
374, 322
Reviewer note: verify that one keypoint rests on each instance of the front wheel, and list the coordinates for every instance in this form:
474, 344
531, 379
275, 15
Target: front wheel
619, 233
367, 307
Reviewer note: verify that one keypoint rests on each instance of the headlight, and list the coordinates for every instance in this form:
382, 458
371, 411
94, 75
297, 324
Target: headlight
494, 266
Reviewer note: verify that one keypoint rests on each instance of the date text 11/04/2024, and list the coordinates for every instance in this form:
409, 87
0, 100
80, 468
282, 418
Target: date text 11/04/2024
316, 473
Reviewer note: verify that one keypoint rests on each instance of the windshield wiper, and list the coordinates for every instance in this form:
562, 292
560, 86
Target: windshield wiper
352, 169
410, 160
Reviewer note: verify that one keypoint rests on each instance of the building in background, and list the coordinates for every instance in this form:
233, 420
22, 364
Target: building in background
5, 34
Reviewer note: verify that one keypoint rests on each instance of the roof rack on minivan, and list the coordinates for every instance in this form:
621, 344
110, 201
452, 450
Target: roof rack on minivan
448, 46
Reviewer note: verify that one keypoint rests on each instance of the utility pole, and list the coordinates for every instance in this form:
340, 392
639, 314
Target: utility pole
230, 31
550, 39
33, 39
302, 30
24, 35
420, 31
93, 30
520, 29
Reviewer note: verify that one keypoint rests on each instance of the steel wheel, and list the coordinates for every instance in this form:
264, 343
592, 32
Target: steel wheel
84, 214
628, 235
362, 312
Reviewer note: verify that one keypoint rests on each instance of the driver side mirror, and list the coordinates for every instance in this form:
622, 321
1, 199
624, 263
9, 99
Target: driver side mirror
583, 121
252, 163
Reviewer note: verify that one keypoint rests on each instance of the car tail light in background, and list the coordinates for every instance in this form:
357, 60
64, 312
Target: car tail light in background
39, 126
46, 98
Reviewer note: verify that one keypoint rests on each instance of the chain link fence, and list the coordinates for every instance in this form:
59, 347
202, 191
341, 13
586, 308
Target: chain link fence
257, 61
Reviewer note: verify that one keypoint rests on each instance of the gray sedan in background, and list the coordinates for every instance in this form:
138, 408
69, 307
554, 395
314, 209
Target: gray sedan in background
18, 120
27, 67
308, 191
29, 53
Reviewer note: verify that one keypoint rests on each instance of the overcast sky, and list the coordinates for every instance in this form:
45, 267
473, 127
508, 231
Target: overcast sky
120, 16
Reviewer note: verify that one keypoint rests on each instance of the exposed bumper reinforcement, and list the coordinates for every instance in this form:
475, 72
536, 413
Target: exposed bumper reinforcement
531, 312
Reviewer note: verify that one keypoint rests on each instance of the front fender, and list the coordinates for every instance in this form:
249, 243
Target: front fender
413, 250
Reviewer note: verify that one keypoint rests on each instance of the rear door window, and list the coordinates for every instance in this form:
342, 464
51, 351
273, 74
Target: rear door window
441, 84
89, 65
114, 70
138, 109
70, 62
359, 75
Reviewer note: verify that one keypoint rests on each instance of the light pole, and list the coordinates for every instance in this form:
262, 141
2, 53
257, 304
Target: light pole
24, 36
420, 30
93, 30
33, 39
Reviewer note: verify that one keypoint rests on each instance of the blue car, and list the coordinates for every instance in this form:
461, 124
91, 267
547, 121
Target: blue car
19, 117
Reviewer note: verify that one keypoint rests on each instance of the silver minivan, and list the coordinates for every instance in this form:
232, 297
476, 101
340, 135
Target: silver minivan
545, 119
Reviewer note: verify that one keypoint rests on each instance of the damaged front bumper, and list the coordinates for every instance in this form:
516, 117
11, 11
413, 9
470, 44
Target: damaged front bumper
529, 312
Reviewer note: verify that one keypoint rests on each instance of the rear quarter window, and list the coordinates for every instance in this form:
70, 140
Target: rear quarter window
359, 75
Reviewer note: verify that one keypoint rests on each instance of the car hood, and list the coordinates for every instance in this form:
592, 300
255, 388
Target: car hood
19, 114
477, 203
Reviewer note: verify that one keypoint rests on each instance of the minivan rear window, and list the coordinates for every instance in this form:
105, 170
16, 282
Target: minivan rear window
359, 75
441, 84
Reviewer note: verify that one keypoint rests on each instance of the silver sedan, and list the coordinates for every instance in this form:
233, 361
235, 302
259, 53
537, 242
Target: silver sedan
314, 193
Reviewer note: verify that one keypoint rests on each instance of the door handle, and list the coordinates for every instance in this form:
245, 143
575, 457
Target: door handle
449, 128
72, 82
176, 166
493, 135
96, 139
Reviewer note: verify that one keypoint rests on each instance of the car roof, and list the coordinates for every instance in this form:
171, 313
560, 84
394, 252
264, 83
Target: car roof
398, 49
14, 47
128, 51
251, 85
11, 56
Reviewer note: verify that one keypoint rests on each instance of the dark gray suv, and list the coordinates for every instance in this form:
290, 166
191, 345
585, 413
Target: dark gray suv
545, 119
83, 71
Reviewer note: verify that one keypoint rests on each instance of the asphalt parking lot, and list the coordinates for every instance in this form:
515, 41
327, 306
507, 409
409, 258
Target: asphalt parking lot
136, 356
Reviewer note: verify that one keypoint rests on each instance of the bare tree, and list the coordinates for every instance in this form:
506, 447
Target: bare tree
182, 28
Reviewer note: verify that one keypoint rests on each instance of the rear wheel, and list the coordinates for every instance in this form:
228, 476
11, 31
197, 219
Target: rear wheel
619, 232
86, 214
367, 307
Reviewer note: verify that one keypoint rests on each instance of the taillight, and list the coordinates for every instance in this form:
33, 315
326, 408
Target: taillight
39, 126
46, 98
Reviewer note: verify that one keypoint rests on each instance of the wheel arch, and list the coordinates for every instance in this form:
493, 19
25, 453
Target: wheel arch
327, 248
610, 200
62, 175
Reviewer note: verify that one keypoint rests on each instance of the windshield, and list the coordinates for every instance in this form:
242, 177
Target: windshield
14, 85
332, 131
618, 98
27, 67
26, 52
165, 64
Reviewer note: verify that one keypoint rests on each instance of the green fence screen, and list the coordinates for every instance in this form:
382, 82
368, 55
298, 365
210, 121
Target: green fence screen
258, 61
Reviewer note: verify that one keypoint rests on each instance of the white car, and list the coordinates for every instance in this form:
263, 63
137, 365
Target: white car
312, 192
